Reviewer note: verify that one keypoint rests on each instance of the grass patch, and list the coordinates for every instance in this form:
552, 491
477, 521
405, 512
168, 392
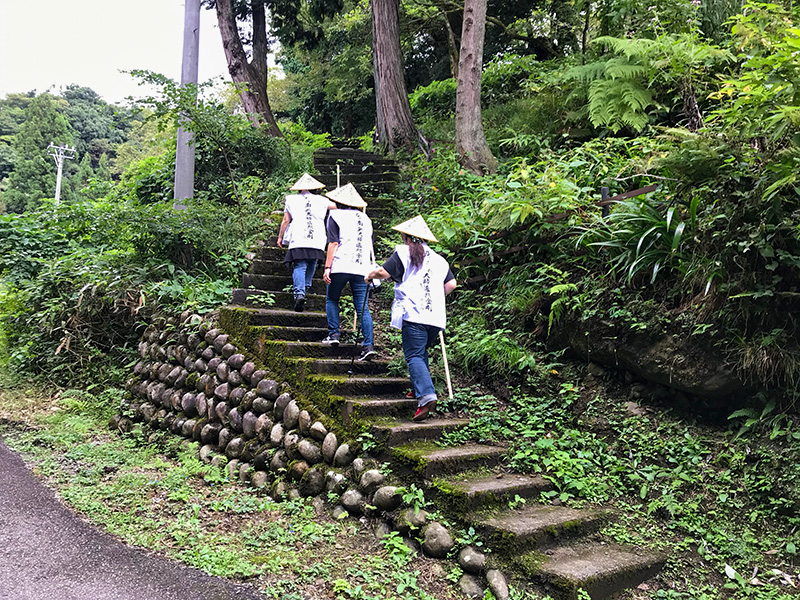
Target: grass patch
150, 490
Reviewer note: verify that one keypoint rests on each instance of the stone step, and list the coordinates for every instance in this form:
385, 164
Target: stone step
537, 526
427, 460
292, 333
345, 170
469, 492
275, 267
361, 385
348, 150
375, 188
345, 143
600, 569
332, 156
285, 300
279, 283
318, 350
284, 317
355, 409
394, 432
272, 254
359, 178
334, 366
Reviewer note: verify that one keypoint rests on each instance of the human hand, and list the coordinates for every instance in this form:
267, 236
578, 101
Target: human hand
280, 242
326, 275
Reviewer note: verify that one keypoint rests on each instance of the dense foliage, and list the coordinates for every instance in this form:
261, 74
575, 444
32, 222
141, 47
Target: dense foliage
700, 98
81, 277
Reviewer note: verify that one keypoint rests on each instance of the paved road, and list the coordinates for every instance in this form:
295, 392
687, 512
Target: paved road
47, 553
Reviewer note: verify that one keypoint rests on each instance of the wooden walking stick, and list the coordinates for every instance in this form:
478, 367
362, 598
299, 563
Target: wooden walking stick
446, 368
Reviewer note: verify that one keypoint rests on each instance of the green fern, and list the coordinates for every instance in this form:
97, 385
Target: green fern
619, 90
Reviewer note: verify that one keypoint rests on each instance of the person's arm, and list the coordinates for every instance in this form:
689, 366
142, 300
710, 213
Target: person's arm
379, 273
326, 274
449, 282
287, 218
332, 230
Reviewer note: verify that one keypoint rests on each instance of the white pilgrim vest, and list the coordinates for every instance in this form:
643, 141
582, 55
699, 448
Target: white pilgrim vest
354, 254
419, 298
307, 229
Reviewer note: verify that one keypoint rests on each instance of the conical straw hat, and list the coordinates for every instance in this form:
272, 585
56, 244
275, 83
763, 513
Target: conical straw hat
307, 182
416, 227
347, 194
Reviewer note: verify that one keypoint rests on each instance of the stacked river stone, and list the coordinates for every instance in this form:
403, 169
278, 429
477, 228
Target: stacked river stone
192, 381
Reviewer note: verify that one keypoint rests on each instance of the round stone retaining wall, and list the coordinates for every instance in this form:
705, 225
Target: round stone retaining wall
193, 381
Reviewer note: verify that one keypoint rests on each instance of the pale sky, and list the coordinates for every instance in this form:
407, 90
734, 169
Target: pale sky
87, 42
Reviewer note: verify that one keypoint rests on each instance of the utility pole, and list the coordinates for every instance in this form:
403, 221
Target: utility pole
59, 153
184, 154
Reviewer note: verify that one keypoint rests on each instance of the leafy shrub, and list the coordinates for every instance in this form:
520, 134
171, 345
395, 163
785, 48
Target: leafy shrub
80, 279
505, 77
638, 238
437, 98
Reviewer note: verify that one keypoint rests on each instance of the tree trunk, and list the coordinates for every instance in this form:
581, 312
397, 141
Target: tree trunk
585, 35
471, 143
394, 127
452, 47
251, 75
690, 107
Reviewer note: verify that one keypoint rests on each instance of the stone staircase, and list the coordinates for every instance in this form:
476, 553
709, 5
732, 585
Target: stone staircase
554, 546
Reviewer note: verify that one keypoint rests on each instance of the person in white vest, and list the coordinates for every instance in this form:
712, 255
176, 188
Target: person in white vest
350, 257
422, 279
303, 227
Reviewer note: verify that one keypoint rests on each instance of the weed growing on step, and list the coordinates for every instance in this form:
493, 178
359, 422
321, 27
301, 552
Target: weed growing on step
413, 497
707, 496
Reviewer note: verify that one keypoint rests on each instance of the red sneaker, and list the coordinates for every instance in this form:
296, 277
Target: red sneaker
410, 394
423, 411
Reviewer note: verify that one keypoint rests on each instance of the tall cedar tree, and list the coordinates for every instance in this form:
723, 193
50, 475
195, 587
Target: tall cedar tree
471, 146
291, 22
250, 74
394, 125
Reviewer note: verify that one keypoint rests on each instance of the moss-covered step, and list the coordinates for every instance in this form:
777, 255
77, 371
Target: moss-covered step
356, 409
341, 366
319, 350
377, 176
384, 214
468, 492
278, 282
261, 299
370, 168
366, 386
284, 317
538, 525
427, 460
271, 267
395, 432
601, 569
291, 333
270, 252
253, 298
353, 156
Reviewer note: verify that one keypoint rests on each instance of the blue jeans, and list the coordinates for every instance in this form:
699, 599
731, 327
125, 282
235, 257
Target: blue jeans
302, 274
417, 338
359, 289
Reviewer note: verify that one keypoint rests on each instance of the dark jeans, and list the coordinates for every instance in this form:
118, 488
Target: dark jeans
417, 338
302, 274
359, 289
